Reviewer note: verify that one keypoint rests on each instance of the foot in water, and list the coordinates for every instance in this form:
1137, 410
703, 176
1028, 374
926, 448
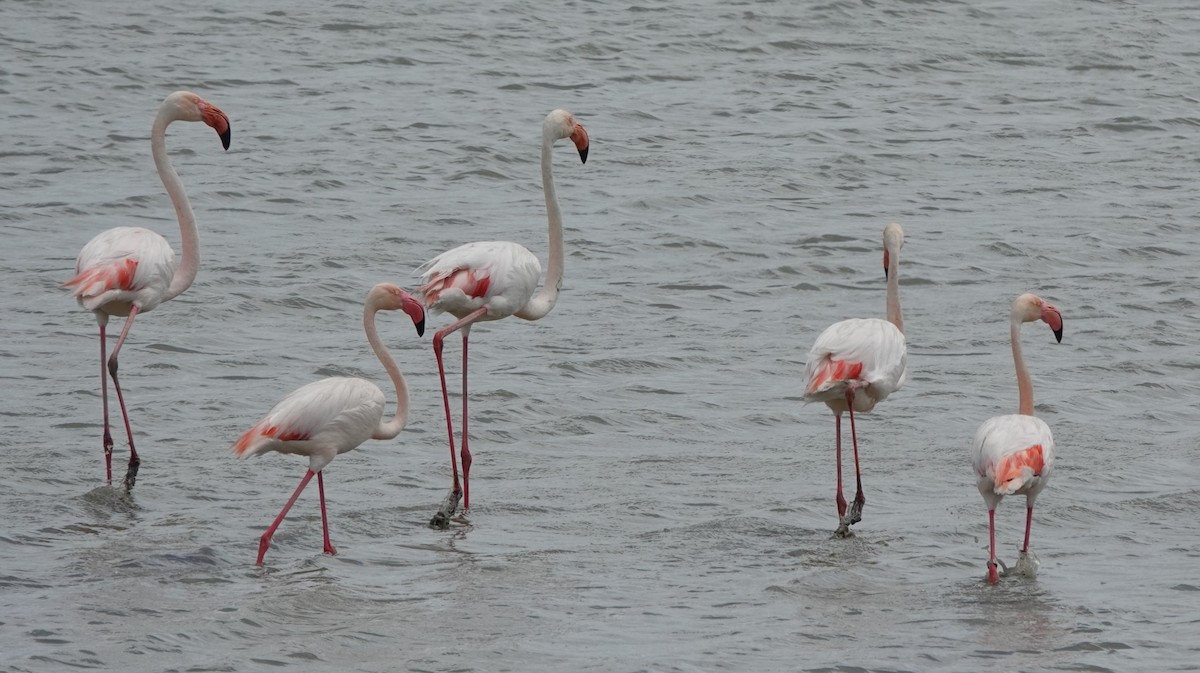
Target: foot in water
445, 513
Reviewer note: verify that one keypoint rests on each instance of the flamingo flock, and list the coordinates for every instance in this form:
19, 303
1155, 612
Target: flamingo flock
853, 365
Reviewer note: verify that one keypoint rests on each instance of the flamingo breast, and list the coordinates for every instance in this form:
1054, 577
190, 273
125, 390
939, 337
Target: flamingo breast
122, 267
499, 275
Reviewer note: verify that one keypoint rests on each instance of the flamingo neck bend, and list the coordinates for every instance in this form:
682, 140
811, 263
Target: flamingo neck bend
189, 263
392, 427
542, 302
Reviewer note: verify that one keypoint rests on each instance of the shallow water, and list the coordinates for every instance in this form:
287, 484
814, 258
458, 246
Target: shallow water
649, 492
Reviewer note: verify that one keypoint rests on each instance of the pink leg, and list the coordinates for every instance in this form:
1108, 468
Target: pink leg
108, 442
841, 499
993, 569
324, 519
466, 453
134, 461
859, 499
264, 542
437, 352
441, 519
1028, 525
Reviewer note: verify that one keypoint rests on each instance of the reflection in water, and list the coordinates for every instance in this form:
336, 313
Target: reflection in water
1016, 615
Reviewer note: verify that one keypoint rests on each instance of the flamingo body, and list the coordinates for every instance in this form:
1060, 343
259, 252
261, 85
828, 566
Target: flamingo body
123, 267
867, 352
1013, 455
321, 420
498, 275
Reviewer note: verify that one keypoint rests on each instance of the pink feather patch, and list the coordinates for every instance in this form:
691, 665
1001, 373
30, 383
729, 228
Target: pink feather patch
472, 282
1012, 466
116, 276
834, 371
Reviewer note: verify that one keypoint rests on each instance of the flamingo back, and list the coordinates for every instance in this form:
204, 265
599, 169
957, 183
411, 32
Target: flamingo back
320, 420
1013, 454
497, 274
123, 265
867, 350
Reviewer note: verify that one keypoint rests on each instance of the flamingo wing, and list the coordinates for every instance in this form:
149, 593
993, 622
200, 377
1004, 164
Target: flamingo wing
869, 350
1015, 453
123, 264
497, 274
326, 417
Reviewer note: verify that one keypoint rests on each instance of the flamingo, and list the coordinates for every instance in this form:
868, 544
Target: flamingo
1014, 454
126, 271
857, 363
490, 280
329, 417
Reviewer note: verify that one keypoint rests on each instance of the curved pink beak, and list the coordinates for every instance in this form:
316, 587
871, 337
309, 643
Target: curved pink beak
416, 311
580, 137
1052, 317
213, 116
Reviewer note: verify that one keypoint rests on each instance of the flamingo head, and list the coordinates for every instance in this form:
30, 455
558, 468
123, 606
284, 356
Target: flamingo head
562, 124
1030, 307
190, 107
388, 297
893, 240
993, 572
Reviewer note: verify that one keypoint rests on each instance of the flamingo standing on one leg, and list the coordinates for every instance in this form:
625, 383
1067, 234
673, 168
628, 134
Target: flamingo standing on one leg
329, 417
126, 271
490, 280
1014, 454
855, 364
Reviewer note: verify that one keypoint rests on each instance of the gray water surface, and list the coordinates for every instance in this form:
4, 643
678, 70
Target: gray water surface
649, 493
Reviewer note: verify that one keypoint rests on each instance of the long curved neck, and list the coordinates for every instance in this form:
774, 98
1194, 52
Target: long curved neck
1024, 382
392, 427
893, 292
541, 303
185, 273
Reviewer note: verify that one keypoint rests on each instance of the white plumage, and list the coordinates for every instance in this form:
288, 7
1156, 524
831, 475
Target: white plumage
875, 344
997, 442
142, 255
510, 270
320, 420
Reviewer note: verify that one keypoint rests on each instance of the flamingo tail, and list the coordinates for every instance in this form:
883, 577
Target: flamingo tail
1014, 470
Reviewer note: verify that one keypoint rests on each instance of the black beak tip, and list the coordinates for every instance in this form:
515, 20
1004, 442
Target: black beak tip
885, 273
583, 154
1058, 334
225, 137
421, 328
